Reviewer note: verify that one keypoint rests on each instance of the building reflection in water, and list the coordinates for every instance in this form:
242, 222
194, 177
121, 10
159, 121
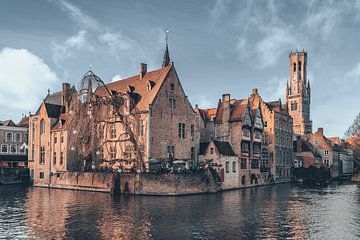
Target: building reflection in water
59, 214
274, 212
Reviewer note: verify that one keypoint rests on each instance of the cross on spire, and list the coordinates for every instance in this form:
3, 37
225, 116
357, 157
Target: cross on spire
166, 58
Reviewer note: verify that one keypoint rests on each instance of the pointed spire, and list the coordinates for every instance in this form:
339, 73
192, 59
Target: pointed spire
166, 59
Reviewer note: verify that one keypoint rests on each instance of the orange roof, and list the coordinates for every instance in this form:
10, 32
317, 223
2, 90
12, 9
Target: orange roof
139, 86
335, 140
24, 122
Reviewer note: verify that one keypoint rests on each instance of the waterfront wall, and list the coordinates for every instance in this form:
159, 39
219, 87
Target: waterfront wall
88, 181
14, 175
356, 176
168, 183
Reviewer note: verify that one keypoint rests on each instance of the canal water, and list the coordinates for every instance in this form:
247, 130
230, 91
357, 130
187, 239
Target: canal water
282, 211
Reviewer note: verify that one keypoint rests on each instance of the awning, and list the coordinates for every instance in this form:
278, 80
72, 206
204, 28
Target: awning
13, 158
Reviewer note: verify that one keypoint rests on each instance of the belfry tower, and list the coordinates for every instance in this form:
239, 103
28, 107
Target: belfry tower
298, 93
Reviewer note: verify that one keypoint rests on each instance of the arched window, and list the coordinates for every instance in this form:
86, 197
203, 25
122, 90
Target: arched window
293, 106
42, 126
18, 137
294, 67
299, 66
9, 137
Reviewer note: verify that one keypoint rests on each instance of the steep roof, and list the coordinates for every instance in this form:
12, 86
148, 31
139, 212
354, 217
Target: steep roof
64, 118
224, 148
24, 122
237, 110
139, 86
54, 98
53, 111
335, 140
8, 123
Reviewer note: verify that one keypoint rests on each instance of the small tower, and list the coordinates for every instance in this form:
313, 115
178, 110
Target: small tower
298, 93
166, 58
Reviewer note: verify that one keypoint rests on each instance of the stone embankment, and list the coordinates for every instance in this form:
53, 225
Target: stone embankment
137, 183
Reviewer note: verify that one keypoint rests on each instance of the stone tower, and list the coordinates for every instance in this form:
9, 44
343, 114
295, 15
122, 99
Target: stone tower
298, 93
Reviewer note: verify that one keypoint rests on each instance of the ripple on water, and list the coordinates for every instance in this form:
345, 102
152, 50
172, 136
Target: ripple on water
280, 211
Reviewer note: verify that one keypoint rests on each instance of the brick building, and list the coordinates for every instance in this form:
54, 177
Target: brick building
298, 93
277, 153
329, 151
238, 124
13, 144
164, 126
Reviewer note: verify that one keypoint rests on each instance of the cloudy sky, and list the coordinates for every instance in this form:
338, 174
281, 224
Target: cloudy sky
222, 46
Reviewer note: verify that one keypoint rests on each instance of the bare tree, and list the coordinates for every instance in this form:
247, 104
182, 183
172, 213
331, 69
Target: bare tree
94, 110
353, 133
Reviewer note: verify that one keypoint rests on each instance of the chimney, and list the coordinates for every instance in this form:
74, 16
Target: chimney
226, 97
143, 69
298, 144
65, 95
321, 131
226, 108
255, 91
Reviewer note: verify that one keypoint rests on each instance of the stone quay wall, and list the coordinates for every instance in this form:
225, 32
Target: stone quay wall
356, 176
168, 184
87, 181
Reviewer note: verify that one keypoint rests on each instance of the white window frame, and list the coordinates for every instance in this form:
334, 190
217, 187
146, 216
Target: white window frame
7, 148
15, 138
13, 145
12, 137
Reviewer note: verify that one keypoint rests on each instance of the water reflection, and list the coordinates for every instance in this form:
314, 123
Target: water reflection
282, 211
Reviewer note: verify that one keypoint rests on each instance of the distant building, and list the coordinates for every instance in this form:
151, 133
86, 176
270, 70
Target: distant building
305, 154
329, 151
346, 157
13, 143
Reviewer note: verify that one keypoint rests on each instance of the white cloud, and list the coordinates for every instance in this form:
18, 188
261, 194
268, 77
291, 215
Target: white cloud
116, 78
273, 36
79, 17
115, 41
275, 89
276, 41
220, 8
323, 18
24, 77
66, 49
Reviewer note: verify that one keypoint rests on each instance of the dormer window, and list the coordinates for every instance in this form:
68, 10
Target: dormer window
130, 89
150, 85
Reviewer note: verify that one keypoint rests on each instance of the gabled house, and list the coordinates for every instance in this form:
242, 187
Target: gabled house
278, 136
240, 124
220, 156
329, 151
162, 122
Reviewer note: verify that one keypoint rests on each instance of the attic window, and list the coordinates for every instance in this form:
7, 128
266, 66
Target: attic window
130, 89
172, 87
150, 85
